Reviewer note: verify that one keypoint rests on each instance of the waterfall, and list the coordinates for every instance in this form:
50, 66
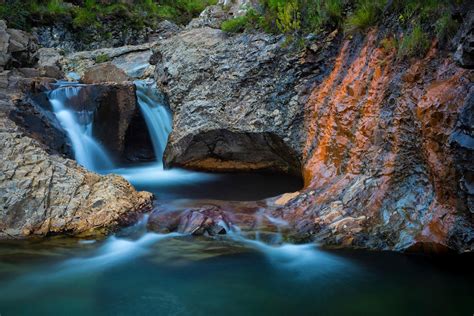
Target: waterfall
157, 116
77, 121
78, 126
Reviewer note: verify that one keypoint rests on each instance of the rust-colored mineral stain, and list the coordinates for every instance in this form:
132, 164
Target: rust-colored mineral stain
372, 119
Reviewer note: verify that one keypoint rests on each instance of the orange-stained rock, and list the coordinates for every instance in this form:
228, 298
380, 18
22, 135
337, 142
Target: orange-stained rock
387, 156
378, 159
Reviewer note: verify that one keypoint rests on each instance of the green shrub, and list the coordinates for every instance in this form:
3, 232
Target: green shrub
182, 11
332, 11
56, 7
288, 17
366, 15
250, 21
234, 25
86, 15
416, 43
167, 12
102, 58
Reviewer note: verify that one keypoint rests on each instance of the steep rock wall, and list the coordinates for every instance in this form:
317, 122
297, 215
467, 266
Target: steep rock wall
378, 165
385, 145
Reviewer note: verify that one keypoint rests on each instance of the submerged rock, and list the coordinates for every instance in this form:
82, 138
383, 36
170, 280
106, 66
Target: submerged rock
209, 218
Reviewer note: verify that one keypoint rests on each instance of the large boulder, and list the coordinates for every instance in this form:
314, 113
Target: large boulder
233, 99
105, 72
44, 194
48, 57
116, 107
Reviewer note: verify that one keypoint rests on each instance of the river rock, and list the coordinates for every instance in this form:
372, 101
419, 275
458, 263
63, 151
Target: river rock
208, 220
114, 105
43, 194
105, 72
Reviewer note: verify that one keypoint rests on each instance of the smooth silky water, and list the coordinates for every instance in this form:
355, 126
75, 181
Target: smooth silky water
136, 272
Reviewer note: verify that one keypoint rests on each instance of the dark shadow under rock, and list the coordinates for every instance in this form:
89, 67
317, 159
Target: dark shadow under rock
226, 151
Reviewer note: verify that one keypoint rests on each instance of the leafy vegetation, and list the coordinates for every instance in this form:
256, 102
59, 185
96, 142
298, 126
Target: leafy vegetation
366, 15
445, 27
389, 44
295, 18
420, 20
24, 14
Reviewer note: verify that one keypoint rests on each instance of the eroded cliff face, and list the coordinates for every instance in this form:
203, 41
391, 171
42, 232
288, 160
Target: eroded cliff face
378, 165
385, 145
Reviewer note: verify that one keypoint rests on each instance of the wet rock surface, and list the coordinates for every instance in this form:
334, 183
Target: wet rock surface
41, 191
385, 146
210, 218
43, 194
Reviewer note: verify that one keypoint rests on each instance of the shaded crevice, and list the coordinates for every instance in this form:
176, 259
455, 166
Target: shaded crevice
228, 151
138, 146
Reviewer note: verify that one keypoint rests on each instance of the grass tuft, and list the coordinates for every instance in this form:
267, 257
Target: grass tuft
102, 58
415, 44
366, 15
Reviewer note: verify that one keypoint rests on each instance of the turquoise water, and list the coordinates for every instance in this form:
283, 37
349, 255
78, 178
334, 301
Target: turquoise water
139, 273
136, 272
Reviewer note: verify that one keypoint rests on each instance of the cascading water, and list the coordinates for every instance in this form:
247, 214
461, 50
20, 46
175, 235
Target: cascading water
89, 153
157, 116
78, 126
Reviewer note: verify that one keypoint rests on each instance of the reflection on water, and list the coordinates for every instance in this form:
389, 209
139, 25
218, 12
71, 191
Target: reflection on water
140, 273
184, 184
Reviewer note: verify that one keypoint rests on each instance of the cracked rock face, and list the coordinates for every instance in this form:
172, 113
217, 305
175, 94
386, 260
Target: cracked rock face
233, 100
44, 194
